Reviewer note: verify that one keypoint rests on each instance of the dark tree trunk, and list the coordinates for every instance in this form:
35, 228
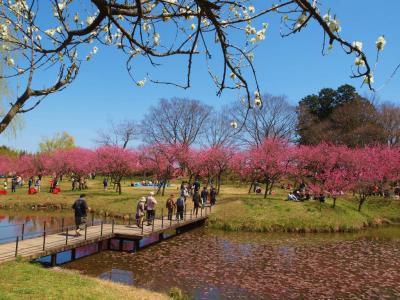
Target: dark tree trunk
361, 202
163, 190
266, 189
119, 187
251, 186
270, 187
334, 202
219, 183
159, 189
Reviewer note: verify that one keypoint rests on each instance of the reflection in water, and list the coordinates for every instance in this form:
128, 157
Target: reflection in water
118, 276
214, 265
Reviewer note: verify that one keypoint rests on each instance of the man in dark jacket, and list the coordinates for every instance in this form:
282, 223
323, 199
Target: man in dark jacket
213, 196
196, 202
81, 210
204, 196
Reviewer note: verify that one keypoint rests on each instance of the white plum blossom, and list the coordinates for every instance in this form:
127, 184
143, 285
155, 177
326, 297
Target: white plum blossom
90, 20
95, 49
10, 62
260, 35
76, 18
257, 97
3, 30
141, 83
50, 32
359, 62
301, 20
233, 76
358, 45
380, 43
258, 102
193, 26
156, 38
251, 9
234, 124
334, 26
62, 5
146, 27
369, 79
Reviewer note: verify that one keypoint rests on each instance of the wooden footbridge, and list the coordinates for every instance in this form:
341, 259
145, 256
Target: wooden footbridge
62, 245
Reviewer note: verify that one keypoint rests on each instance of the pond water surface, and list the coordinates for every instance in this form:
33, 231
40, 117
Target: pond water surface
214, 265
208, 264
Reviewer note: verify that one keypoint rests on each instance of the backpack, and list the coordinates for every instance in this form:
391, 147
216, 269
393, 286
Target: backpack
180, 202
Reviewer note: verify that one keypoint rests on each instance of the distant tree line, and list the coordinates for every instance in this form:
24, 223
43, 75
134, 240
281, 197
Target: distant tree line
337, 116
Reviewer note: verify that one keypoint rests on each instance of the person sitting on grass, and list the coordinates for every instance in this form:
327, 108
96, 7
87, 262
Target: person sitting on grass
81, 210
140, 209
321, 198
292, 197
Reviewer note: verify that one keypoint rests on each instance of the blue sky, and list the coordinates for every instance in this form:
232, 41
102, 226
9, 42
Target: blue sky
292, 66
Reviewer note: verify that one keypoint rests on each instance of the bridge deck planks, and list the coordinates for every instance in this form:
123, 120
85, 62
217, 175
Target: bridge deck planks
32, 248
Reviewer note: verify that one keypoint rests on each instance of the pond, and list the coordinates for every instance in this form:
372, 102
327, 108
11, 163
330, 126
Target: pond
208, 264
214, 265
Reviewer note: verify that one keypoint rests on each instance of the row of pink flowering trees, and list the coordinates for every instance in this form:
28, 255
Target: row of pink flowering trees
329, 169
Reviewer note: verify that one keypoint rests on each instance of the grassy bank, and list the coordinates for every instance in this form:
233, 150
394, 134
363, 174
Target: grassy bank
21, 280
253, 213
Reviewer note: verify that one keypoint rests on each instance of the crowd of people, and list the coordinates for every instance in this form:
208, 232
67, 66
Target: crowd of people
175, 205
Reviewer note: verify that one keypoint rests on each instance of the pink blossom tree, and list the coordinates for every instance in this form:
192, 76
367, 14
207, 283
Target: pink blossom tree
161, 161
117, 163
270, 161
324, 168
7, 165
79, 163
214, 162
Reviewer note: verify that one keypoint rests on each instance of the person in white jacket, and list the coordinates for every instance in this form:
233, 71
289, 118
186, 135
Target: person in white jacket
151, 203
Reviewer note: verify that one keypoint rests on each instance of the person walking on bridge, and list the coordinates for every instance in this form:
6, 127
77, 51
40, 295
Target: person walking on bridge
170, 206
140, 209
151, 203
180, 207
196, 202
81, 210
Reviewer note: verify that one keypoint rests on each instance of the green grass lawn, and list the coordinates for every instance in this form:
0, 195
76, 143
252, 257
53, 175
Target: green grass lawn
21, 280
253, 213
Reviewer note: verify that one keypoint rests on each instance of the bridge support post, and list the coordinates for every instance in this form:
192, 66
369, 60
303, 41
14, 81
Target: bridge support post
73, 254
100, 246
53, 261
136, 244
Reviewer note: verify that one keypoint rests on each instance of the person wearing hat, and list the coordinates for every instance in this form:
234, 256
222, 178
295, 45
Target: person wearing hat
140, 208
151, 203
170, 205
